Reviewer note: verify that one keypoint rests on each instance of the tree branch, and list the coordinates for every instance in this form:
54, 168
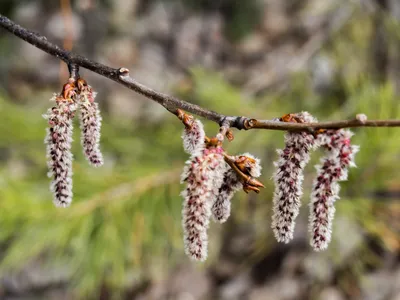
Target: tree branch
171, 103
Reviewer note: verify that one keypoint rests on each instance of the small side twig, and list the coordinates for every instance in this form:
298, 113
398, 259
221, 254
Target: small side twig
249, 183
73, 71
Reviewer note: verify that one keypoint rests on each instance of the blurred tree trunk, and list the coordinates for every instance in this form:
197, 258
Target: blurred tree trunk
385, 45
394, 64
379, 42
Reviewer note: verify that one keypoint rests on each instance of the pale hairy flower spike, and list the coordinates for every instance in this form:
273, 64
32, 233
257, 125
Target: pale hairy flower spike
221, 208
58, 140
288, 177
90, 124
334, 168
203, 174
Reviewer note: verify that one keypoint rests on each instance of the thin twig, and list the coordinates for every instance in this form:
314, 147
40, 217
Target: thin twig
171, 103
73, 71
276, 125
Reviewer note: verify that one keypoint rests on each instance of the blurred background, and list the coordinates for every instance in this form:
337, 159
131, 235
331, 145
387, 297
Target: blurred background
122, 237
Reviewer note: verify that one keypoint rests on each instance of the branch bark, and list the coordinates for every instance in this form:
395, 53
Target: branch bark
121, 76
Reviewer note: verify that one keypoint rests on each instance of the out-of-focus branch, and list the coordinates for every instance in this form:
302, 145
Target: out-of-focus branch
68, 42
121, 75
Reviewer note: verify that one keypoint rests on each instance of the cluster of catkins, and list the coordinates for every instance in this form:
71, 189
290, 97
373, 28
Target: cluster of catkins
212, 178
339, 156
75, 94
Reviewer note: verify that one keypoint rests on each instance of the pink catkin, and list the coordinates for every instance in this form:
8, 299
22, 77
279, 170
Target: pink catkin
203, 174
59, 156
90, 124
288, 179
221, 208
193, 137
334, 168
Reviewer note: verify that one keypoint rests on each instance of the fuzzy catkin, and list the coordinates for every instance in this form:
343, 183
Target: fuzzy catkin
252, 166
221, 208
334, 168
59, 156
193, 137
203, 174
288, 179
90, 124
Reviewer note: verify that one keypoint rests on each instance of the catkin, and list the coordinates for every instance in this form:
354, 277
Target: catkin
90, 124
288, 179
59, 156
203, 174
334, 168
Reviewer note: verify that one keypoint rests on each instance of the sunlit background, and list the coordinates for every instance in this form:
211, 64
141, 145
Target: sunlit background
122, 238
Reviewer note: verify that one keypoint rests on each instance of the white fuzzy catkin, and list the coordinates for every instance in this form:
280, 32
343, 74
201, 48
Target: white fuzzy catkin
288, 179
59, 156
334, 168
90, 124
221, 208
203, 174
193, 137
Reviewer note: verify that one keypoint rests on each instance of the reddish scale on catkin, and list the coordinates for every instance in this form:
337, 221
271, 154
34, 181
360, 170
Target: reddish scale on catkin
221, 208
288, 179
90, 124
59, 156
334, 168
203, 174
